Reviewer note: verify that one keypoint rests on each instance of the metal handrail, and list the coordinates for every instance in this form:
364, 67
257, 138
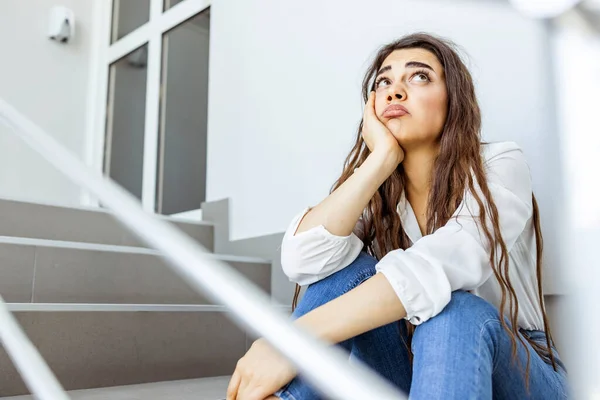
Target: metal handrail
30, 364
325, 367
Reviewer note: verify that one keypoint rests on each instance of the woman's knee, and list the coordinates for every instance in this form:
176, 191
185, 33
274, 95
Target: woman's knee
361, 269
337, 284
465, 312
466, 303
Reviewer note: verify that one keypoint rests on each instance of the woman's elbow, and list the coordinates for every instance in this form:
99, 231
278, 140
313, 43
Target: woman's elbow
292, 263
303, 263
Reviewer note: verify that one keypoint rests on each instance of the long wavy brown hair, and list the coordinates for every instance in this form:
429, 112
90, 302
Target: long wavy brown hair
458, 161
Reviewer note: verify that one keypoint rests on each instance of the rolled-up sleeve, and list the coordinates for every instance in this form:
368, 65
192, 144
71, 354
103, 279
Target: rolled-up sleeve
315, 254
457, 255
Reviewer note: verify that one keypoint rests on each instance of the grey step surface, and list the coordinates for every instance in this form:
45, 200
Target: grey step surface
191, 389
95, 307
90, 225
42, 271
104, 349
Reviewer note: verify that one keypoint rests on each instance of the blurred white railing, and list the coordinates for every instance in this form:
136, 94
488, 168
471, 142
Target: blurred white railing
324, 366
32, 367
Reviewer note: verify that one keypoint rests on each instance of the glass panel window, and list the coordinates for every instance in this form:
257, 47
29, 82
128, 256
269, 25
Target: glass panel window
128, 15
183, 125
126, 116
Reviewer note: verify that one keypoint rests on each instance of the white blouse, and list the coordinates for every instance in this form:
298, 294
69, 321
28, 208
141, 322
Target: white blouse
455, 256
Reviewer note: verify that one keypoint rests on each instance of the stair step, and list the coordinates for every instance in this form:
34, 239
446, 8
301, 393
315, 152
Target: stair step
87, 307
105, 345
191, 389
111, 348
89, 225
46, 271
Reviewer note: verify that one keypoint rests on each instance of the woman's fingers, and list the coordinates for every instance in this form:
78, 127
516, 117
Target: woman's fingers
369, 108
370, 122
371, 105
234, 384
243, 389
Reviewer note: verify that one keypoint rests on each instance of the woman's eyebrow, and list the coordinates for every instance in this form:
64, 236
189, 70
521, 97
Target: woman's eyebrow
410, 64
417, 64
383, 69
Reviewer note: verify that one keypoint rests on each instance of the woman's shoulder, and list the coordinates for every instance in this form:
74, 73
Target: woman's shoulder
506, 157
506, 166
494, 150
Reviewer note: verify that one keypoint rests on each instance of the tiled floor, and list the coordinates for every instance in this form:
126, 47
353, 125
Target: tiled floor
196, 389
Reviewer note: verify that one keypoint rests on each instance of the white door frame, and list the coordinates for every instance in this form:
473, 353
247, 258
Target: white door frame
104, 55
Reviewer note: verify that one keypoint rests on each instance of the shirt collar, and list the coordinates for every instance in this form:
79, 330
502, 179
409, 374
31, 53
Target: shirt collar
408, 218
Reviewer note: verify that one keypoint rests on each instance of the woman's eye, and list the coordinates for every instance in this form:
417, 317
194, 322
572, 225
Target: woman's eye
382, 81
424, 77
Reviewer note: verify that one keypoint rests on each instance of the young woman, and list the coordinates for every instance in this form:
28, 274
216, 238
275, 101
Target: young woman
428, 236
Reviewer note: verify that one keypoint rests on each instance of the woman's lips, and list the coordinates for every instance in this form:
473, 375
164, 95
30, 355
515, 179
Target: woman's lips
394, 111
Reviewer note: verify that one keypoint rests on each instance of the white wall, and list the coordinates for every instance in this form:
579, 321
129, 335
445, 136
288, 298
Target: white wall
284, 96
47, 82
577, 53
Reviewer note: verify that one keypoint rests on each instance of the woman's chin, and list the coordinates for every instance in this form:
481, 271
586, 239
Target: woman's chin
401, 135
408, 138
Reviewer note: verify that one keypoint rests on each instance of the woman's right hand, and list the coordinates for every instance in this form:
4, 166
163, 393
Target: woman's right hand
377, 136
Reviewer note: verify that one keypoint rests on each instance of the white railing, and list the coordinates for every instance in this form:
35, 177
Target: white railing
325, 367
32, 367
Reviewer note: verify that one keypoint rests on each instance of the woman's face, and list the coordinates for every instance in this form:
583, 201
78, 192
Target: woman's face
413, 79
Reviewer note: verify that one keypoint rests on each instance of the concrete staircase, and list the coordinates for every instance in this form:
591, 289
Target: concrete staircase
105, 311
190, 389
113, 321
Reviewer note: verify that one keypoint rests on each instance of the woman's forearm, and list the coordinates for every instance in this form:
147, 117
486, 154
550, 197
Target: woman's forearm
368, 306
340, 211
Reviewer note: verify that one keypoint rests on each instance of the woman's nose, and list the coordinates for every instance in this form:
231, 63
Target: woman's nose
396, 93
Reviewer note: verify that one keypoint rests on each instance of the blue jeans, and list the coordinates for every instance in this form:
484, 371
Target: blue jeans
461, 353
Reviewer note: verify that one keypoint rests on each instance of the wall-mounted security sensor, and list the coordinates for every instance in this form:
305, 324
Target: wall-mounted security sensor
62, 24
